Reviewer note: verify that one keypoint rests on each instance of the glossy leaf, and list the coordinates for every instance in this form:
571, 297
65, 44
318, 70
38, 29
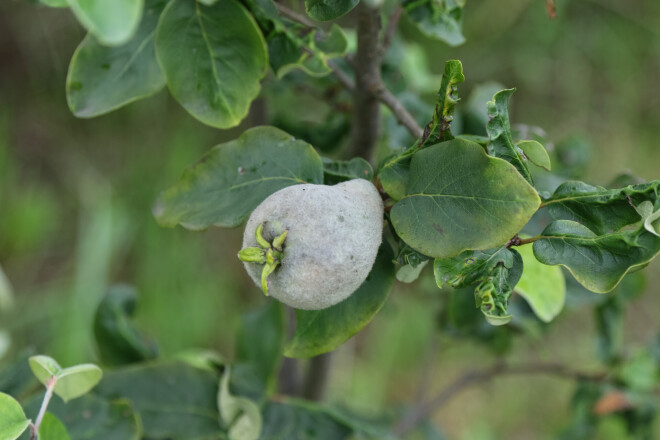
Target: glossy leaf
439, 20
293, 46
324, 10
321, 331
173, 399
598, 262
535, 153
13, 421
112, 22
336, 171
394, 171
213, 58
499, 132
93, 418
239, 415
52, 428
542, 286
117, 339
102, 79
234, 178
599, 209
70, 382
459, 198
260, 339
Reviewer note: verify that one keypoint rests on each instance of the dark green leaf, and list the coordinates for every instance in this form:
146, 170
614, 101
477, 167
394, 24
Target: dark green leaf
499, 131
459, 198
6, 295
93, 418
288, 421
234, 178
542, 286
292, 46
321, 331
13, 421
112, 22
260, 339
601, 210
52, 428
609, 318
598, 262
16, 377
336, 171
394, 171
440, 20
55, 3
213, 58
640, 372
102, 78
174, 400
117, 339
324, 10
469, 267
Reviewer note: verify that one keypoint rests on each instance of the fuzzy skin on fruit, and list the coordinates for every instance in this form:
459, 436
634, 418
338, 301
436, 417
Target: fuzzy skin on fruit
333, 239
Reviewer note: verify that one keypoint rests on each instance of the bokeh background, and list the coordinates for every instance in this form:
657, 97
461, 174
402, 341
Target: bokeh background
76, 197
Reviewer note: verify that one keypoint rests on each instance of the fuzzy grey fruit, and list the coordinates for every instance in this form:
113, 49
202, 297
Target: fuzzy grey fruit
334, 235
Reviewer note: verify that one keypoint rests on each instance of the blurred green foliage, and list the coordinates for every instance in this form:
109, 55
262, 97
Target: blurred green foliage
76, 197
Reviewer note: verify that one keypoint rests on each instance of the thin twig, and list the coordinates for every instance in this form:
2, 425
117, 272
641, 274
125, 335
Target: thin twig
295, 16
475, 377
343, 78
398, 110
390, 30
317, 377
34, 428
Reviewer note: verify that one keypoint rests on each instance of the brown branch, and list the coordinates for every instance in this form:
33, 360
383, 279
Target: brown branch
392, 24
398, 110
366, 108
475, 377
295, 16
316, 380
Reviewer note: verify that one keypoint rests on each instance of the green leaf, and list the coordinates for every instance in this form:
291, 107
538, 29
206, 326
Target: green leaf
336, 171
459, 198
439, 20
6, 295
294, 421
410, 273
651, 219
394, 171
70, 382
499, 131
469, 267
213, 58
52, 428
640, 372
234, 178
321, 331
13, 421
55, 3
173, 399
93, 418
117, 339
102, 79
112, 22
542, 286
599, 209
325, 10
293, 46
240, 415
260, 339
598, 262
496, 270
535, 153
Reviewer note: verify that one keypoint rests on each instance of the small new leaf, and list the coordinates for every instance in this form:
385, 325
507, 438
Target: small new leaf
535, 153
252, 255
499, 132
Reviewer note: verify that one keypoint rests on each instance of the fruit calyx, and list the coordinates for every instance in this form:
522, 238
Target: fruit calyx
270, 254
